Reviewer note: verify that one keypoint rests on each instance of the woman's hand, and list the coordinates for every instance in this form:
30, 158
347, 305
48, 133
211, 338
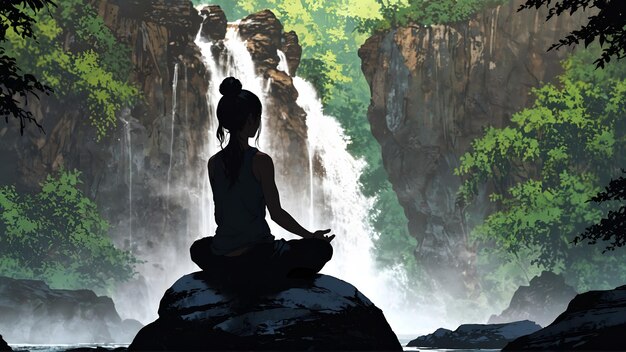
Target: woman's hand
321, 234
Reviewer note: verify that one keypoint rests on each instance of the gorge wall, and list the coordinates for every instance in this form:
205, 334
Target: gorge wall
433, 90
146, 175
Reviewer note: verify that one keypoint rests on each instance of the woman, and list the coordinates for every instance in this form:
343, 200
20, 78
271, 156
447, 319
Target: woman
242, 180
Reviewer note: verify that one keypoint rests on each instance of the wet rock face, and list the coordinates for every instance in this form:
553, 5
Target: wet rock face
214, 24
263, 33
593, 321
433, 90
545, 297
34, 313
293, 51
302, 314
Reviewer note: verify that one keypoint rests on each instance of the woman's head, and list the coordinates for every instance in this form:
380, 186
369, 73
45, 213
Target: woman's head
238, 111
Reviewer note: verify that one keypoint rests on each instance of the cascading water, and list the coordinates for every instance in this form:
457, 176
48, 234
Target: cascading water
349, 209
127, 149
174, 102
353, 258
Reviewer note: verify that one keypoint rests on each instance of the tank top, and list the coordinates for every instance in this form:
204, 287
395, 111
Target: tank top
240, 209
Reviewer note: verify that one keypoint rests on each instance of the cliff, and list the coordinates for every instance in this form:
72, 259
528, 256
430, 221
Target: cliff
433, 90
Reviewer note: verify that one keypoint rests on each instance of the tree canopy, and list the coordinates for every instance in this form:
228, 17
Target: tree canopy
547, 165
57, 235
608, 26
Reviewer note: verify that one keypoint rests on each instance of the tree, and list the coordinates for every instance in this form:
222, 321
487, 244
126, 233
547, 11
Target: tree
608, 25
79, 57
57, 235
612, 227
546, 166
13, 82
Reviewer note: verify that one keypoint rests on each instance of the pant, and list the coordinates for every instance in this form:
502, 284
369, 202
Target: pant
278, 259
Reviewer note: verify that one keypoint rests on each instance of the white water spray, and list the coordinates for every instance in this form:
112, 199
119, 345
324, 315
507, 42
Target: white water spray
128, 146
353, 260
174, 87
282, 64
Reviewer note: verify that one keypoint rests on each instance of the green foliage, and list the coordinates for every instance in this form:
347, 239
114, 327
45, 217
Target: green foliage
610, 228
57, 235
13, 82
394, 247
81, 60
396, 13
544, 169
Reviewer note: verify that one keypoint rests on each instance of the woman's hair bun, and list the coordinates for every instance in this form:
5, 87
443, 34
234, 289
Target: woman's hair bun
230, 86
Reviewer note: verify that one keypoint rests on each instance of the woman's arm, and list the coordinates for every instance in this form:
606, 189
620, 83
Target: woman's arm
211, 168
264, 169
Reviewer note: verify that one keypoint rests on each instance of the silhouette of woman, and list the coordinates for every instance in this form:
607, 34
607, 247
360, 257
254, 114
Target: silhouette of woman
242, 180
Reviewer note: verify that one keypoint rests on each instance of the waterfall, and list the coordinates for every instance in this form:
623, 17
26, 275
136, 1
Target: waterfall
282, 64
353, 260
127, 149
340, 188
174, 87
345, 209
130, 185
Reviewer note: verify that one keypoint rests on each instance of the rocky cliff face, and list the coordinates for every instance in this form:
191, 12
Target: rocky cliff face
147, 175
433, 91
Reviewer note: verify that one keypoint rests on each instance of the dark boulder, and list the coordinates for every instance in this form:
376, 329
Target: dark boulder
33, 312
476, 335
320, 313
594, 320
4, 346
541, 301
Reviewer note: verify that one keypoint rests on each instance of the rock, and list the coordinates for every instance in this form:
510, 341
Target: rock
433, 90
594, 320
4, 346
214, 24
470, 336
322, 313
95, 349
262, 22
32, 312
541, 301
293, 51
